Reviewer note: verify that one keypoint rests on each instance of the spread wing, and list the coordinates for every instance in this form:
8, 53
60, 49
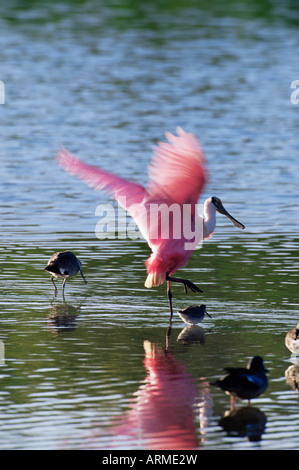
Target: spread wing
125, 192
178, 169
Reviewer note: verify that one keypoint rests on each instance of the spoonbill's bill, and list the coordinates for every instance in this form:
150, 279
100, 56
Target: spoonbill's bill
177, 175
63, 264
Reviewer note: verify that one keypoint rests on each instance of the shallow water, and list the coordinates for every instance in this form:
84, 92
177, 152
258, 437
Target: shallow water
97, 372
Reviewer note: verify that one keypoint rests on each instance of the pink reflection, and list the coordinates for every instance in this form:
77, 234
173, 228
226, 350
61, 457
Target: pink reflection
163, 412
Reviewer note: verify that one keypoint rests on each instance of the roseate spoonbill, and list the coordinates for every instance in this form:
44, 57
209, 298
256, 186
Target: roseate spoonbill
63, 264
193, 314
177, 175
244, 383
292, 340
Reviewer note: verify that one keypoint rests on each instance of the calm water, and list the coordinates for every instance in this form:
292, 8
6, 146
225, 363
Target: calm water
106, 81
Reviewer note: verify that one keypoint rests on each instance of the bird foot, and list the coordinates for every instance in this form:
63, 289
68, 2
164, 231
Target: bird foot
187, 284
191, 286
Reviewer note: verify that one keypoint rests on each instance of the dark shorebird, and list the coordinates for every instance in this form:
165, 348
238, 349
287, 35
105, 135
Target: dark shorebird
63, 264
292, 340
244, 383
193, 314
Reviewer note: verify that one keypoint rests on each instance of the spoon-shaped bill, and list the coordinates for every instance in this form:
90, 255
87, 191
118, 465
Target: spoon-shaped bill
223, 211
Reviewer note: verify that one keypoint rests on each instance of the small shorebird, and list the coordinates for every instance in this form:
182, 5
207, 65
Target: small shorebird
63, 264
244, 383
193, 314
292, 340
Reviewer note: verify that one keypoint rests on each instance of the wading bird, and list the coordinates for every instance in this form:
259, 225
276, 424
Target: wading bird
193, 314
292, 340
63, 264
177, 175
244, 383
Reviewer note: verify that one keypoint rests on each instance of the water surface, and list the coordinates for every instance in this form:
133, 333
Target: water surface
106, 81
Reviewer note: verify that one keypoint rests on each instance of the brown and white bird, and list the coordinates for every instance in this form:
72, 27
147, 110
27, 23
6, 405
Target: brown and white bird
292, 340
63, 264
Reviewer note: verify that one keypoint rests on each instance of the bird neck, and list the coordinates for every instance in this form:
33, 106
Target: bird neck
209, 214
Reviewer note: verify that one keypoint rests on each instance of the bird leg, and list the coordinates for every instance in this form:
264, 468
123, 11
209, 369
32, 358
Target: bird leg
55, 288
63, 284
232, 402
169, 295
187, 284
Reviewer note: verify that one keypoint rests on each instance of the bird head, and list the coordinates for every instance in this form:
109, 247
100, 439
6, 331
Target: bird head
256, 363
219, 207
204, 308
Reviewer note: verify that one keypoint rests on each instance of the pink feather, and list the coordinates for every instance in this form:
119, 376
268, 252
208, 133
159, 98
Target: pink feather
177, 175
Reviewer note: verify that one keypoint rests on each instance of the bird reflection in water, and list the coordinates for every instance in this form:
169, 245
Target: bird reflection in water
192, 334
163, 412
292, 376
247, 422
62, 318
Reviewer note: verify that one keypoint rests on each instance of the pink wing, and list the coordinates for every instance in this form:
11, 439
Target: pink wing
176, 175
125, 192
178, 169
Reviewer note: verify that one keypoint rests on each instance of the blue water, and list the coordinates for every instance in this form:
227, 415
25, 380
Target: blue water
106, 81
